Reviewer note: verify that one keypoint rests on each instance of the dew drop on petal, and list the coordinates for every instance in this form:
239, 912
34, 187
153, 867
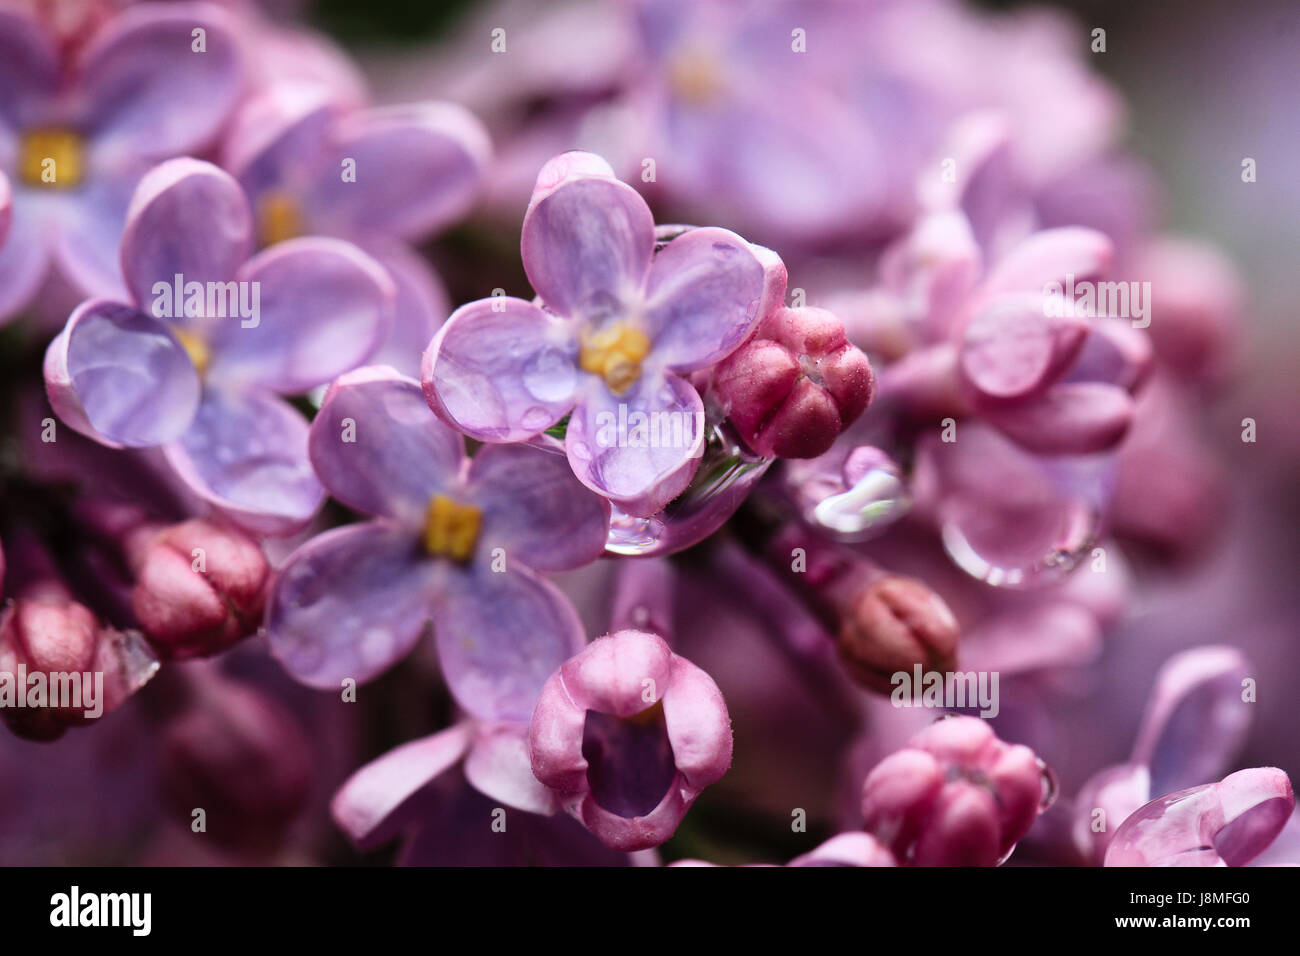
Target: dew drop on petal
549, 376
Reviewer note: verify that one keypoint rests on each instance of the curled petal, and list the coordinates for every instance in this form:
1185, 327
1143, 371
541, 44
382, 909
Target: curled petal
1196, 721
121, 378
187, 218
1076, 418
1011, 350
377, 447
371, 796
535, 509
500, 635
586, 246
501, 369
324, 307
246, 454
640, 449
150, 91
1051, 256
349, 604
703, 298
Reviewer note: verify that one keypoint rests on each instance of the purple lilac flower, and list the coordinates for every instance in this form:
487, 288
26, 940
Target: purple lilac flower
454, 541
627, 734
78, 131
380, 177
617, 327
165, 368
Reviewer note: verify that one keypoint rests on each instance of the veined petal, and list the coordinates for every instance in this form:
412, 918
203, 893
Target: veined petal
501, 369
120, 377
349, 604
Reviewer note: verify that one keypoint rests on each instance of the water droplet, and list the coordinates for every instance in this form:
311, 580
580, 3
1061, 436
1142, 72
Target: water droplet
580, 450
549, 376
1051, 786
535, 419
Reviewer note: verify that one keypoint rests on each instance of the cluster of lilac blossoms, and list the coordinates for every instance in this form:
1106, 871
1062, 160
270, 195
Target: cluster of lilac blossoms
697, 433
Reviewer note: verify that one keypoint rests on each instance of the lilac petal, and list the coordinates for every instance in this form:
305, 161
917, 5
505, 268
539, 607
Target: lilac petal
421, 306
349, 604
847, 849
641, 449
1117, 791
498, 767
379, 450
277, 135
120, 377
187, 217
1050, 256
87, 248
938, 263
535, 509
1196, 721
698, 726
246, 454
703, 298
1076, 418
148, 93
1011, 350
1220, 824
371, 796
501, 369
418, 169
24, 258
500, 636
29, 70
325, 306
586, 246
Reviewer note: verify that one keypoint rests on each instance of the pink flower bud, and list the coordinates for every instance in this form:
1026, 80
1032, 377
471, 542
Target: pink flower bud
893, 624
242, 758
793, 387
956, 795
199, 587
629, 734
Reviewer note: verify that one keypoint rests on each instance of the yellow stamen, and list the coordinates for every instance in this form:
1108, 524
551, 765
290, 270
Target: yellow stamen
279, 217
615, 354
693, 76
51, 156
451, 528
195, 347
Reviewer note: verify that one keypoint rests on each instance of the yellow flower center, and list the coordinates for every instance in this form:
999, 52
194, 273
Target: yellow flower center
615, 354
52, 156
195, 347
451, 528
693, 76
279, 217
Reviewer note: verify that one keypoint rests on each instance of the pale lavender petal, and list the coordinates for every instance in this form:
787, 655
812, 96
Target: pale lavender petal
1076, 418
29, 71
1196, 721
120, 377
148, 92
87, 246
498, 767
350, 604
640, 449
535, 509
325, 306
371, 796
501, 369
421, 307
246, 454
1051, 256
418, 169
187, 218
586, 246
703, 298
24, 258
500, 636
378, 449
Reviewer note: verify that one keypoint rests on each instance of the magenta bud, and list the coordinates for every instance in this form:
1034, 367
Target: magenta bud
241, 758
793, 387
41, 639
956, 795
892, 624
200, 587
628, 734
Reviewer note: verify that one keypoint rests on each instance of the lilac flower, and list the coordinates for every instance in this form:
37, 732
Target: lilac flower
75, 137
452, 540
379, 177
1228, 823
444, 793
955, 796
197, 358
617, 328
628, 734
